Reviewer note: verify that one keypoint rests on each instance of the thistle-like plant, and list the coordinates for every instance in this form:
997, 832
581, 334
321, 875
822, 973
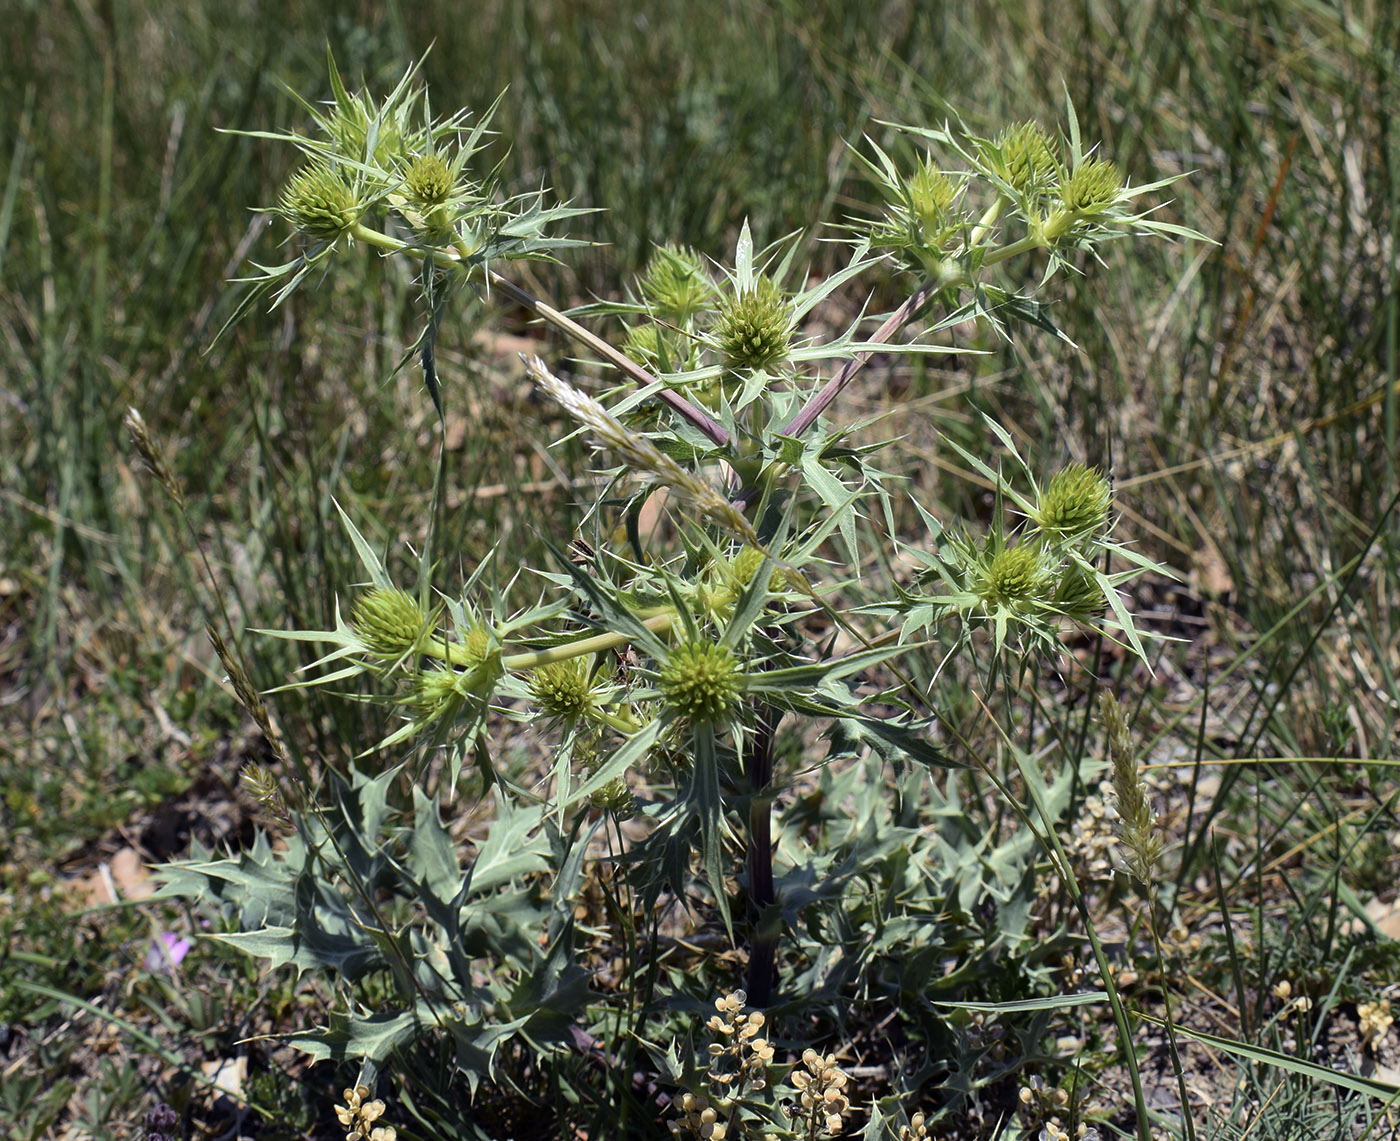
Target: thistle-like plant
668, 663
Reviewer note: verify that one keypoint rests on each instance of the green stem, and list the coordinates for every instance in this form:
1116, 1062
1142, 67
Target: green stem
463, 254
986, 222
597, 643
1011, 249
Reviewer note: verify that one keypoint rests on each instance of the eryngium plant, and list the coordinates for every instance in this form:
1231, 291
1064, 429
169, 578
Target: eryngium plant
663, 667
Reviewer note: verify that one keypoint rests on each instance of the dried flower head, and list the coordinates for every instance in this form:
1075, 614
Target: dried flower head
700, 681
755, 328
320, 203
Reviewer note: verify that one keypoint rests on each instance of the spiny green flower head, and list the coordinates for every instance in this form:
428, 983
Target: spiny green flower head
700, 682
563, 689
726, 579
616, 798
1092, 186
350, 125
438, 690
320, 203
1024, 157
675, 284
1077, 594
1012, 577
434, 691
476, 646
389, 622
657, 348
428, 181
365, 131
931, 194
755, 328
1075, 503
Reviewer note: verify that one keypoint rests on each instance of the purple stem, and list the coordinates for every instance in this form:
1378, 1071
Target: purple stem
832, 388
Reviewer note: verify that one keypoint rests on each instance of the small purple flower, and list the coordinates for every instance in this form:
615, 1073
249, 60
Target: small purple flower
161, 1123
166, 952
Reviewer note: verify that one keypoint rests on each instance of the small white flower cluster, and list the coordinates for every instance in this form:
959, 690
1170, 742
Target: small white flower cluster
821, 1082
739, 1061
1376, 1021
1094, 837
1044, 1103
358, 1116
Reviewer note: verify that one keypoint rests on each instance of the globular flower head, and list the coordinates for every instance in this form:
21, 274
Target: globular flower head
1092, 186
439, 690
615, 798
675, 285
755, 328
1024, 156
563, 689
320, 203
1014, 575
1074, 503
727, 579
700, 681
434, 691
389, 622
656, 348
428, 181
1078, 594
931, 194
